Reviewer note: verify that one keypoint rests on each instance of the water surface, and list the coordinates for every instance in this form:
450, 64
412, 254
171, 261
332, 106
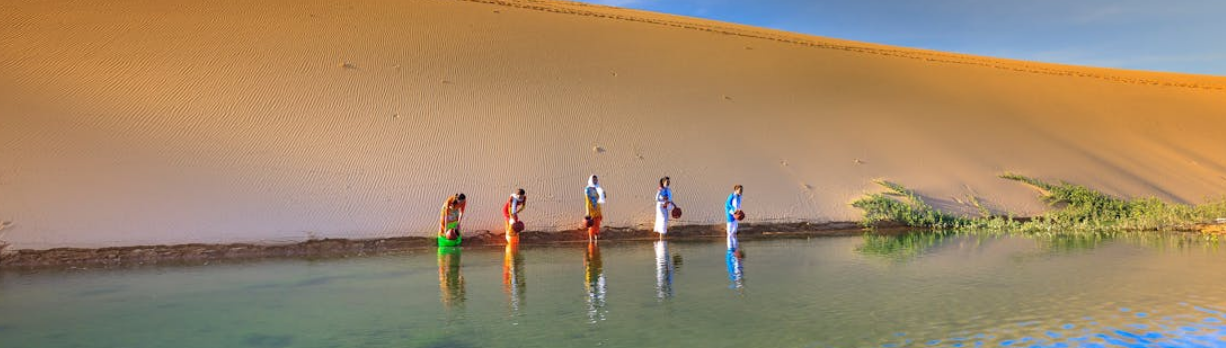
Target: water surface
923, 290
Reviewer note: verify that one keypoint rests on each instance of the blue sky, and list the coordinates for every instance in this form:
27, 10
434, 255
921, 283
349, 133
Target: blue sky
1174, 35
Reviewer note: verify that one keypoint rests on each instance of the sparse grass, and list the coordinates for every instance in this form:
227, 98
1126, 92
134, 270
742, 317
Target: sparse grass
974, 201
910, 211
1075, 208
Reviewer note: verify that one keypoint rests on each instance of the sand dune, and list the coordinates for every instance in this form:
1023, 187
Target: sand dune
143, 122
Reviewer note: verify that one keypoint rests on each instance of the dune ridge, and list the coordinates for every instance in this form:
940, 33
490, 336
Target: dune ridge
600, 11
139, 122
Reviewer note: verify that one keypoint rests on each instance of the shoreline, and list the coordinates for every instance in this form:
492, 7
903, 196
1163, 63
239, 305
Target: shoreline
199, 254
204, 254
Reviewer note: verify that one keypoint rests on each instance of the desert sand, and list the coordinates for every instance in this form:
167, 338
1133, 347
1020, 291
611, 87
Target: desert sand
135, 122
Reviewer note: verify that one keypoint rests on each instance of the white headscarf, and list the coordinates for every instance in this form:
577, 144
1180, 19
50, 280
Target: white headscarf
591, 182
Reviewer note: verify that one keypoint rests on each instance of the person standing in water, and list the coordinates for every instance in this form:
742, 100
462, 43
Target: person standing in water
594, 199
664, 199
511, 210
453, 212
731, 208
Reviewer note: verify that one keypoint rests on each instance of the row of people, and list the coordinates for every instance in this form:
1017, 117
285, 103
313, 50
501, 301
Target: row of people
594, 200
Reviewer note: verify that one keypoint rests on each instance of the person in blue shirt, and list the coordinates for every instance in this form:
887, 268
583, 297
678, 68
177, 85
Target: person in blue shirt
732, 208
664, 198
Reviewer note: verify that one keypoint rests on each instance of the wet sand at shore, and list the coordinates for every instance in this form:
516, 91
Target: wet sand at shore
199, 254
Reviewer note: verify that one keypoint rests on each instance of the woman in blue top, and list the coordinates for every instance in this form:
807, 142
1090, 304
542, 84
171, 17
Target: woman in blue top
664, 198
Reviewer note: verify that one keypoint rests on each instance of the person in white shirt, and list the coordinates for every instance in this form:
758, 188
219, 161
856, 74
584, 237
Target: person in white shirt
664, 199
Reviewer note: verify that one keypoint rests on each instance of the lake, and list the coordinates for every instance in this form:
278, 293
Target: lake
919, 290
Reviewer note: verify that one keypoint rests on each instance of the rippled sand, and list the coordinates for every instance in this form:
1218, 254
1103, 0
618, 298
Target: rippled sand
142, 122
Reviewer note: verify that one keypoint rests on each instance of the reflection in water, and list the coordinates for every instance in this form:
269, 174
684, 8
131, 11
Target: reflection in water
594, 283
1187, 326
733, 244
971, 290
513, 277
908, 246
1084, 241
736, 271
1071, 242
902, 247
450, 281
664, 271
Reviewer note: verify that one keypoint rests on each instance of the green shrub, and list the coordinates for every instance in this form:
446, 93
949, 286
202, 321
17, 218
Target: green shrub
1074, 208
912, 211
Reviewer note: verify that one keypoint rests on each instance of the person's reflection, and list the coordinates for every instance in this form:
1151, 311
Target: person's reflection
513, 277
595, 283
664, 270
450, 281
733, 244
736, 271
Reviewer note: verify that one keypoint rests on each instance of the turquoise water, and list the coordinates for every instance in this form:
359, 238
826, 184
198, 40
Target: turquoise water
931, 291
